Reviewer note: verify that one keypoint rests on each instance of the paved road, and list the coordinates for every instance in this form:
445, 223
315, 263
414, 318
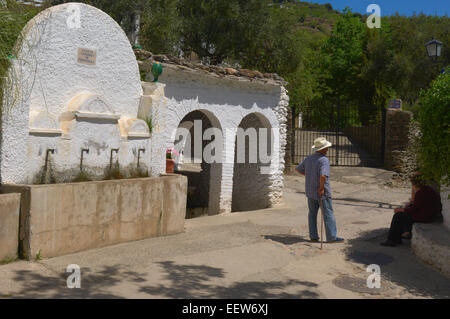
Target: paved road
258, 254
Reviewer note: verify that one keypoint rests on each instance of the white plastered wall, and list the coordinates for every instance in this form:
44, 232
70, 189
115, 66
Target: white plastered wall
46, 81
227, 102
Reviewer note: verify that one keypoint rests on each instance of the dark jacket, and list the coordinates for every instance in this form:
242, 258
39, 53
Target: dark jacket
426, 206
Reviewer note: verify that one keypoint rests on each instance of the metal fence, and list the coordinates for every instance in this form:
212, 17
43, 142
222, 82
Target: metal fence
353, 145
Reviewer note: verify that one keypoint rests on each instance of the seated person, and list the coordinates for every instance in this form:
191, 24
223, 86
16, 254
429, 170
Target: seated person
425, 207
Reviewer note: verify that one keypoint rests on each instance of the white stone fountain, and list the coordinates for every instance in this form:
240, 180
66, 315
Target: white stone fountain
74, 86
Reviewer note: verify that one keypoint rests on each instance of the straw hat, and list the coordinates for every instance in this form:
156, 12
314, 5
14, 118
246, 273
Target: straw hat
320, 143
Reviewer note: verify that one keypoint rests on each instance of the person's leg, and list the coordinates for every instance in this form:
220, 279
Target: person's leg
329, 219
407, 222
396, 229
313, 206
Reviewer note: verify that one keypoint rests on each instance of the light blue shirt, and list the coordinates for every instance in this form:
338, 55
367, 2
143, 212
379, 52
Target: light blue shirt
313, 166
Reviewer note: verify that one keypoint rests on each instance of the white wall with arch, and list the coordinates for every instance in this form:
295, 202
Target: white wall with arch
228, 102
56, 102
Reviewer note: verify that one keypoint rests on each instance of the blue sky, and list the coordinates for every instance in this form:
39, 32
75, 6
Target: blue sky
389, 7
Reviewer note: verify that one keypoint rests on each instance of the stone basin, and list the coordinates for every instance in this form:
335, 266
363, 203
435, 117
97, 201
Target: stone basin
59, 219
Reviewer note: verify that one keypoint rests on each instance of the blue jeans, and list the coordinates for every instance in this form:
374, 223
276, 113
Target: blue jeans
328, 217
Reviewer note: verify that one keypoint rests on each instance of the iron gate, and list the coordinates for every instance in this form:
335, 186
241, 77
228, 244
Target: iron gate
357, 138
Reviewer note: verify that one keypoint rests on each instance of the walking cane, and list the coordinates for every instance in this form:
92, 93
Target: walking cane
321, 223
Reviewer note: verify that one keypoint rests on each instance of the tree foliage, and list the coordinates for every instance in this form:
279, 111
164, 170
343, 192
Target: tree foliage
343, 56
434, 119
367, 67
13, 17
324, 54
160, 25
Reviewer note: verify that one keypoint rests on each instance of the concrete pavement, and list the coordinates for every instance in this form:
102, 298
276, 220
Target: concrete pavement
256, 254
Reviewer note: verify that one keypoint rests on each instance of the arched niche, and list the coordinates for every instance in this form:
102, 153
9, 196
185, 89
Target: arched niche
253, 156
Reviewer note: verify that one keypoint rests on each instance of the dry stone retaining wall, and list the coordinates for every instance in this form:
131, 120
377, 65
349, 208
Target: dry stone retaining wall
402, 138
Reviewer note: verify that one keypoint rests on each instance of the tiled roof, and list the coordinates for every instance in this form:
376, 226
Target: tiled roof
146, 59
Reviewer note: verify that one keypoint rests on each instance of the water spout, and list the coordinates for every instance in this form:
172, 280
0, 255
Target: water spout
46, 176
111, 157
49, 150
83, 150
139, 155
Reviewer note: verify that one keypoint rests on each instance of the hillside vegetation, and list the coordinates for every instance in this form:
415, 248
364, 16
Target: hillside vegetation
326, 56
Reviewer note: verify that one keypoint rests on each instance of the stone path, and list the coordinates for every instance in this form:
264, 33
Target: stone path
258, 254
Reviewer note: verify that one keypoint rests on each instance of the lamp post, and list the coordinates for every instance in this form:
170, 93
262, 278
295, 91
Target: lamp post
434, 48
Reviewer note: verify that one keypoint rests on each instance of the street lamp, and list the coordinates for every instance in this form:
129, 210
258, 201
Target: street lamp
434, 48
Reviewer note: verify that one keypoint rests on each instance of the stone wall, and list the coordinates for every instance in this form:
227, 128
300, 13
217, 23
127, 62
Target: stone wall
9, 226
66, 218
397, 154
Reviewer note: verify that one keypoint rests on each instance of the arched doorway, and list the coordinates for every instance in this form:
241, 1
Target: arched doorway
252, 160
197, 134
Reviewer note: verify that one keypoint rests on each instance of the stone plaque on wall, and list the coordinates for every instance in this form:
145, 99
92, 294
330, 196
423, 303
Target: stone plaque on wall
86, 56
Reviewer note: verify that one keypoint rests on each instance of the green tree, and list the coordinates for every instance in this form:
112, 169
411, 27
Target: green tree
274, 44
160, 27
207, 27
232, 30
125, 12
412, 69
13, 17
343, 59
378, 75
434, 118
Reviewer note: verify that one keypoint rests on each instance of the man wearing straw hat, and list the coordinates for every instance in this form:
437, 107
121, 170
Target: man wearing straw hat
316, 168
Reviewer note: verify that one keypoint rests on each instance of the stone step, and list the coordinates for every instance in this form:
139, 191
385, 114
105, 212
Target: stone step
431, 243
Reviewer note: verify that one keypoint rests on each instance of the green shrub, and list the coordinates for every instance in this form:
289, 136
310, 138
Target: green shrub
434, 119
149, 121
13, 17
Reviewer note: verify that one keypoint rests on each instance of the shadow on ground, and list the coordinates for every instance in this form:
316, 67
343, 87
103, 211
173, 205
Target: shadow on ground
378, 204
347, 201
398, 264
179, 281
194, 281
93, 285
287, 239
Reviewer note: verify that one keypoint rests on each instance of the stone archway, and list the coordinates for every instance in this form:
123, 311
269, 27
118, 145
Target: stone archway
253, 157
204, 174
